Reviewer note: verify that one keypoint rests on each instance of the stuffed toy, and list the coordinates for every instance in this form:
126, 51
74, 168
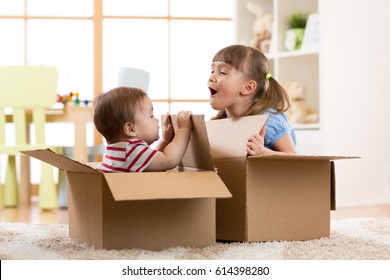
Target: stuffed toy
261, 28
299, 112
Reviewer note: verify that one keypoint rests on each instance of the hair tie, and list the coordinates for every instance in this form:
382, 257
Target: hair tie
268, 76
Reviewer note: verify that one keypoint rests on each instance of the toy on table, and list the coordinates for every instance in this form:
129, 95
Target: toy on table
72, 98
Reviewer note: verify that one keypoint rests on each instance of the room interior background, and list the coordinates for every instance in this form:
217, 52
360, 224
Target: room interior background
174, 40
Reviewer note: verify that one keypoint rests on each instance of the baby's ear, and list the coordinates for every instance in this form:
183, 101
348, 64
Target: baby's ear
129, 129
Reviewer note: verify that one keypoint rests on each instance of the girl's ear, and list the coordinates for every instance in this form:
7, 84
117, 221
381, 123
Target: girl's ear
249, 88
129, 129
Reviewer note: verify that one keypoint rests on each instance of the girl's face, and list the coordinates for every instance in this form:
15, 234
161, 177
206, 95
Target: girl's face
145, 124
226, 85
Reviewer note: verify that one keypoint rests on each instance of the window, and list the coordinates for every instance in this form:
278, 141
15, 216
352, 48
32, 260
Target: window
173, 40
89, 40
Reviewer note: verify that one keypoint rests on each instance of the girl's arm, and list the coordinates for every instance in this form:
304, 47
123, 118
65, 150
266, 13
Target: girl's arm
283, 146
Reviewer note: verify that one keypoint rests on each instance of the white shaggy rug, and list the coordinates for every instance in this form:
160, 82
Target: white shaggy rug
351, 239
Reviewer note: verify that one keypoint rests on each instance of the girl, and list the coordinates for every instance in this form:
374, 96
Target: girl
240, 85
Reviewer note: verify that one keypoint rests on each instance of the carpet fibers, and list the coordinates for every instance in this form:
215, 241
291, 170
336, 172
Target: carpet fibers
356, 238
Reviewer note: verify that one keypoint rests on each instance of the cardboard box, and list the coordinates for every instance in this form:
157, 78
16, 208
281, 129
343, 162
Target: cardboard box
274, 197
149, 210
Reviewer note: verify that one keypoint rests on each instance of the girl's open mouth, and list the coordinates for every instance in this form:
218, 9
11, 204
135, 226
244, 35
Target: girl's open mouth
212, 91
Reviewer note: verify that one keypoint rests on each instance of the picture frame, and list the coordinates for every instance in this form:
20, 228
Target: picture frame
310, 41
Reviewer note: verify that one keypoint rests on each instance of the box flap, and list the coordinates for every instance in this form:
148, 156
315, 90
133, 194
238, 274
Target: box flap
166, 185
228, 137
198, 154
62, 162
301, 157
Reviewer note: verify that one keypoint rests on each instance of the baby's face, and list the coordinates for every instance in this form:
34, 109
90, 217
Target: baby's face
146, 125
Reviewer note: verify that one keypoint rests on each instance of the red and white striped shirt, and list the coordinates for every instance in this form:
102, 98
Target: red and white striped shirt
128, 156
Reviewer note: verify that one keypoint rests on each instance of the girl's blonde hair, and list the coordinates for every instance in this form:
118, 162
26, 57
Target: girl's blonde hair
114, 108
269, 94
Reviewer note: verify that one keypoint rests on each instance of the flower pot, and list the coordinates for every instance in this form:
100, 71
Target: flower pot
293, 39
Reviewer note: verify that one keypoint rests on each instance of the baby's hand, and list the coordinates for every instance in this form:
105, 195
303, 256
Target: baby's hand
184, 119
255, 144
167, 129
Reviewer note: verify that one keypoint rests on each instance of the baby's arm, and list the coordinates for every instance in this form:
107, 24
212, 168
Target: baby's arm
167, 133
173, 153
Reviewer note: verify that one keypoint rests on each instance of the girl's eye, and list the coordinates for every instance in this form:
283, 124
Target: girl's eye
212, 71
223, 71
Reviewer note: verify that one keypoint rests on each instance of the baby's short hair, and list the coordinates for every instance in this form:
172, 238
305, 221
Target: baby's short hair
114, 108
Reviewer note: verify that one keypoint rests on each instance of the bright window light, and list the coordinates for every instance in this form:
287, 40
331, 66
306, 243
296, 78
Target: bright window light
69, 46
12, 42
142, 44
202, 8
11, 7
135, 7
60, 7
192, 52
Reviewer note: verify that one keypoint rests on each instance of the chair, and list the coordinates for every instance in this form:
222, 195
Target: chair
25, 92
133, 77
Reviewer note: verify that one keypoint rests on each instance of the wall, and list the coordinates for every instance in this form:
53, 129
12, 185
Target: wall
355, 97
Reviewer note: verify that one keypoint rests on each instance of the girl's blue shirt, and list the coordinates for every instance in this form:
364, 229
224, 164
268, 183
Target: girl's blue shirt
277, 126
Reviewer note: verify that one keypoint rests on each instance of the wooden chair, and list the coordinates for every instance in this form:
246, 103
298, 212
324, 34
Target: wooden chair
26, 92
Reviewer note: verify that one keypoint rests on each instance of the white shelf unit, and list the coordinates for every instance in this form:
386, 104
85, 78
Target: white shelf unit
302, 66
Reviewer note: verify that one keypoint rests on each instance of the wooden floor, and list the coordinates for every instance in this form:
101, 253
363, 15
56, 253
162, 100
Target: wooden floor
32, 214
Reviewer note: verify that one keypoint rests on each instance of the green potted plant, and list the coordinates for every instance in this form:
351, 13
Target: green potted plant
295, 31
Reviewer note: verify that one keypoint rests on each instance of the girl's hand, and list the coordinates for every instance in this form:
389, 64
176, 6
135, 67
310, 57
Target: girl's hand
167, 129
255, 144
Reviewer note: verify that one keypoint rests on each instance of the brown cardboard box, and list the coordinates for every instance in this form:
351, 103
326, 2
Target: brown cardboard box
149, 210
274, 197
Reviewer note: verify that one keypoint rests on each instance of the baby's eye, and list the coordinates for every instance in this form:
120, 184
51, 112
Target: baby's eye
222, 73
212, 71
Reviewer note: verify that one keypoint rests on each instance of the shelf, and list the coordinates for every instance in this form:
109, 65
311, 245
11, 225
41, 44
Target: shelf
291, 54
302, 66
297, 53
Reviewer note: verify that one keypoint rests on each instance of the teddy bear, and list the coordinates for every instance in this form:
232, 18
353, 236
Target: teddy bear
299, 111
261, 28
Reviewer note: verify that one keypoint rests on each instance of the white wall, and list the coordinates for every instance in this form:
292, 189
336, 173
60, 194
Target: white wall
355, 96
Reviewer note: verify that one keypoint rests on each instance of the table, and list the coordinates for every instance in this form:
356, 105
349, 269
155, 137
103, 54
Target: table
80, 116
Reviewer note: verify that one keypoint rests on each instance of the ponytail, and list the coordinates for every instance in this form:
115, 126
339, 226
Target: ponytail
273, 96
